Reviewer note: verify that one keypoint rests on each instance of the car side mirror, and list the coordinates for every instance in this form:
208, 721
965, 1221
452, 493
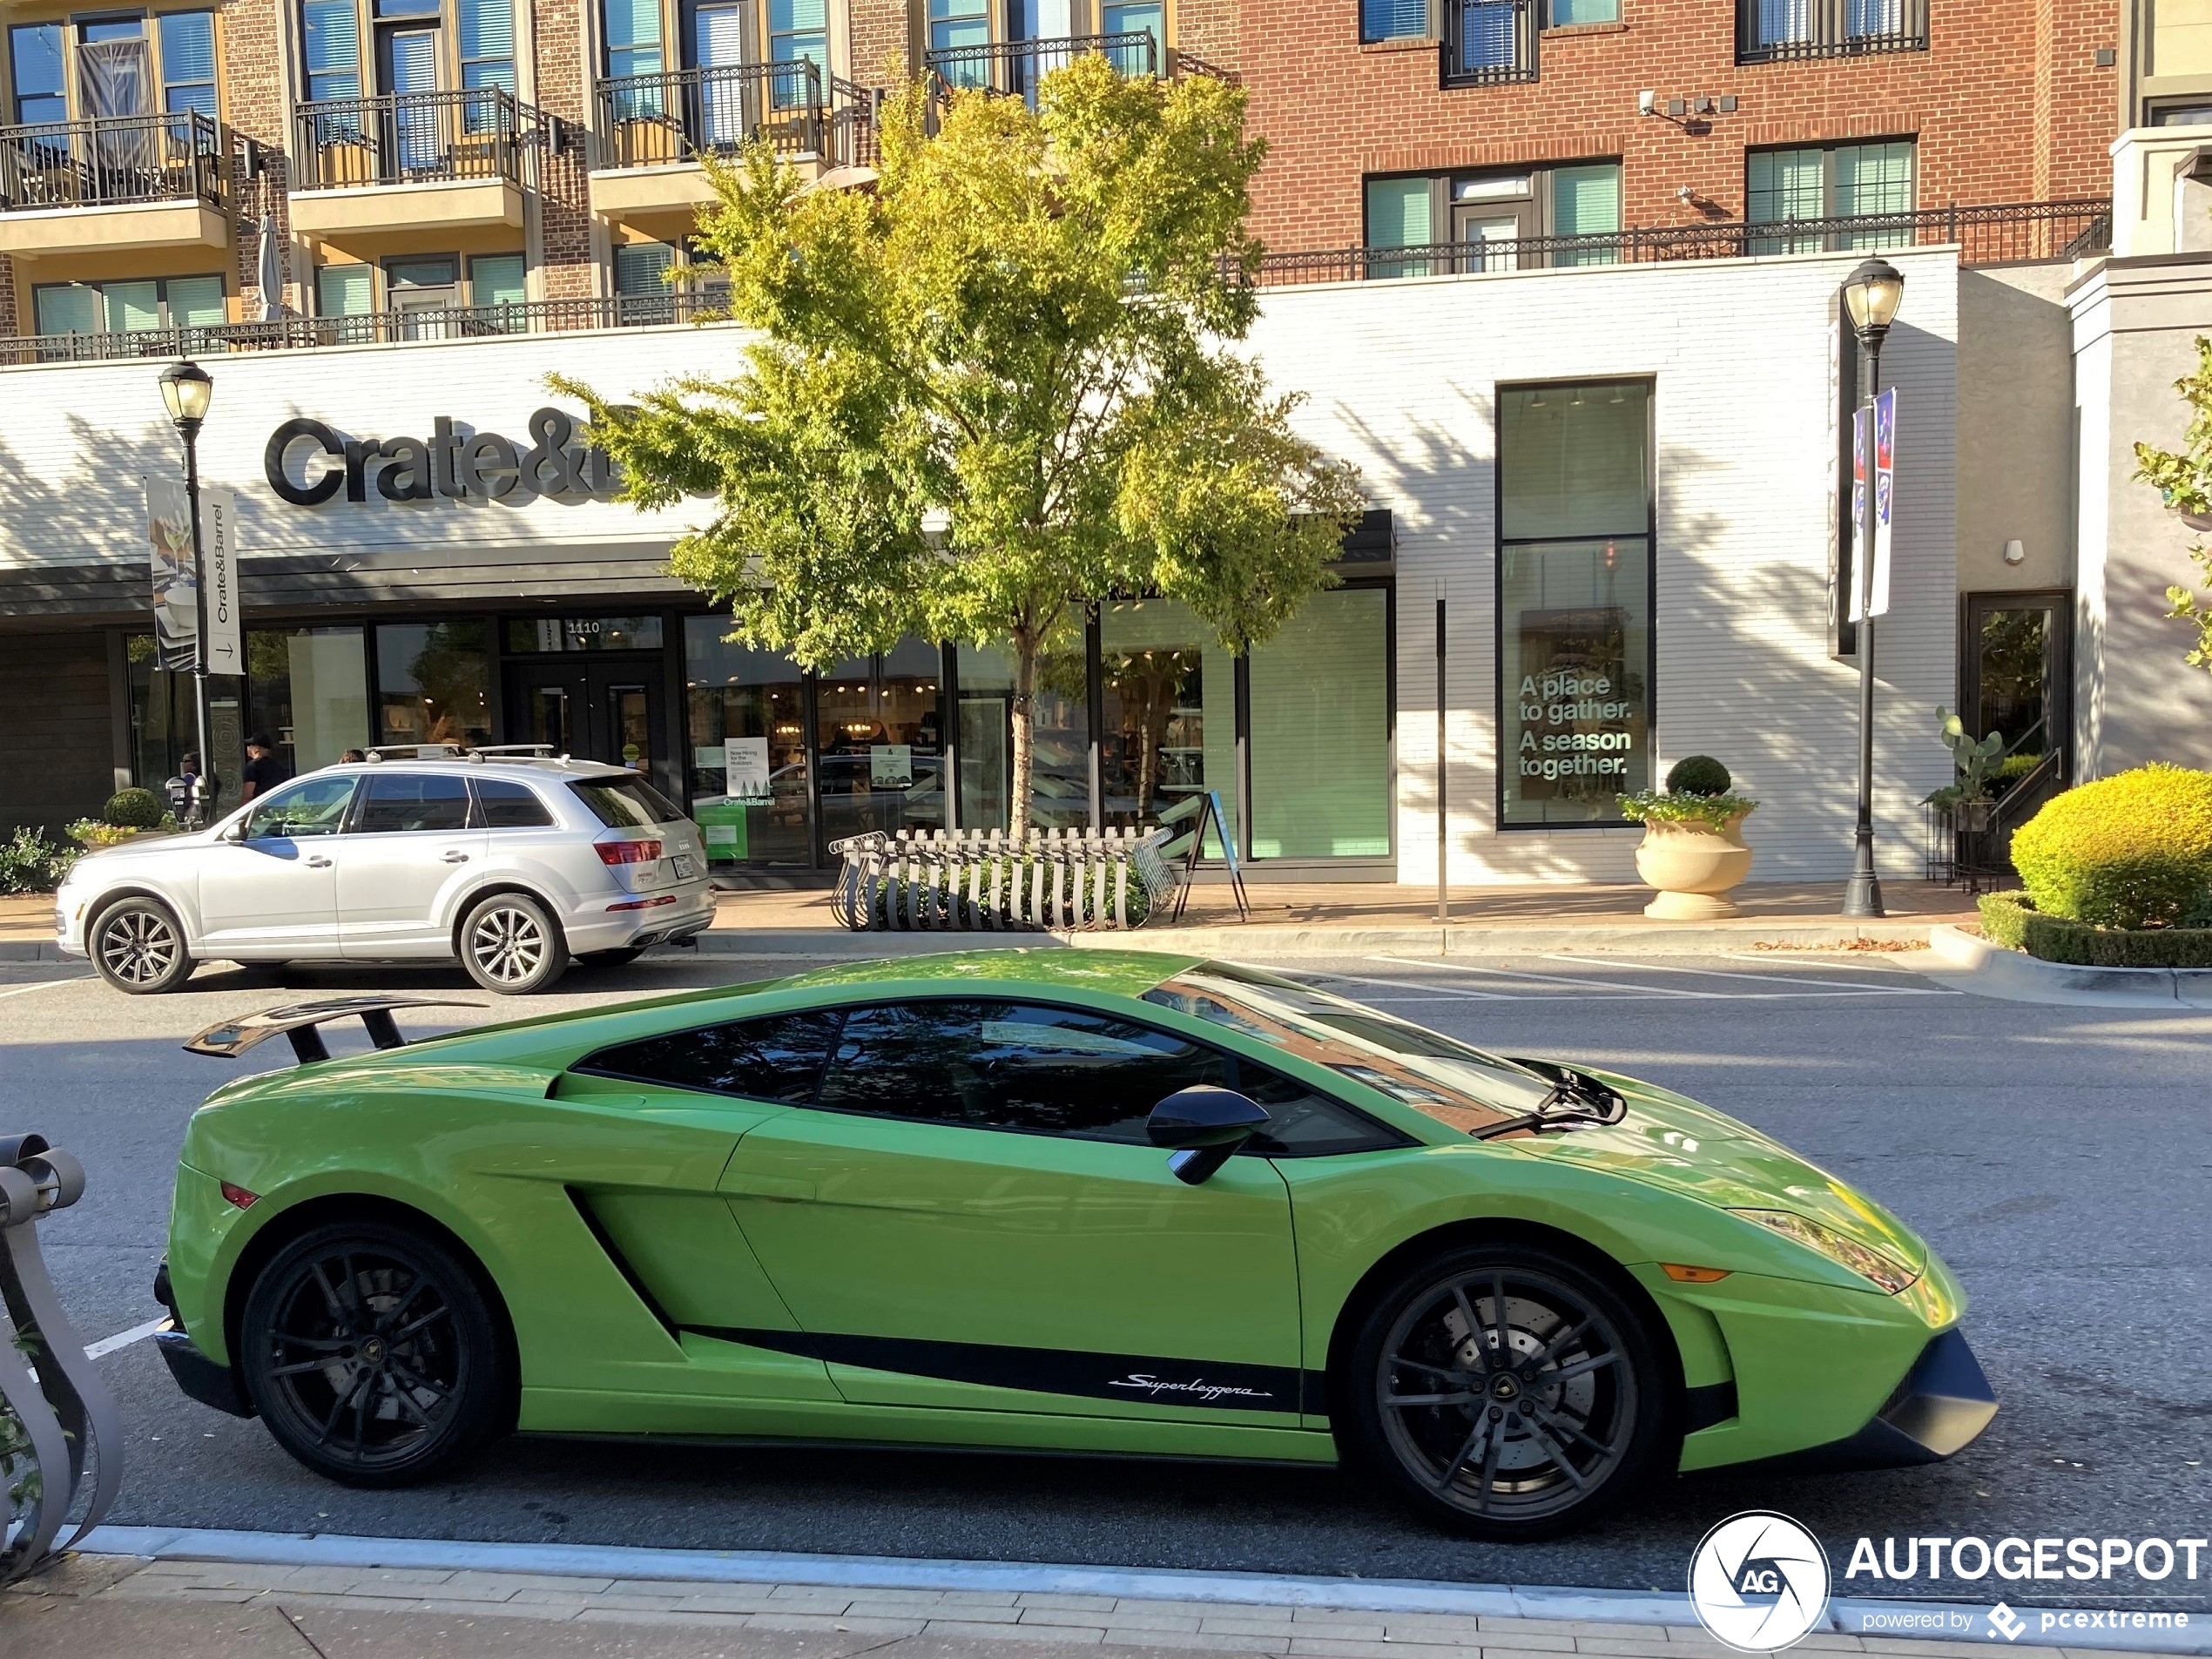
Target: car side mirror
1204, 1126
236, 832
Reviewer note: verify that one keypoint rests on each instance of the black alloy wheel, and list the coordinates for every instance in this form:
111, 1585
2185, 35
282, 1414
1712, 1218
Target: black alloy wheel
137, 946
1508, 1391
369, 1351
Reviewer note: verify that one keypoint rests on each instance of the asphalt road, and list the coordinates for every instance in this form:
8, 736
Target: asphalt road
2056, 1157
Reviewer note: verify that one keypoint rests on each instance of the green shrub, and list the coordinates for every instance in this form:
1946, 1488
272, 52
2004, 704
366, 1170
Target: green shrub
133, 809
30, 863
2010, 919
2131, 851
1646, 806
1698, 775
2012, 768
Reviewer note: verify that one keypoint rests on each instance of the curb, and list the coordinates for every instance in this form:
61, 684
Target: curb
29, 950
1970, 963
1850, 1617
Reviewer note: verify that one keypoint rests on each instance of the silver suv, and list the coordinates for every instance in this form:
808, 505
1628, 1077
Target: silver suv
515, 866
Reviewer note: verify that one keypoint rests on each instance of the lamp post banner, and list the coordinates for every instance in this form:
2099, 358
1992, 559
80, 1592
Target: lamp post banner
1877, 603
176, 627
219, 542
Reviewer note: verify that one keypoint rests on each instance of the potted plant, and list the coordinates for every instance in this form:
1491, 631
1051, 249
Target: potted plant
129, 815
1693, 847
1966, 800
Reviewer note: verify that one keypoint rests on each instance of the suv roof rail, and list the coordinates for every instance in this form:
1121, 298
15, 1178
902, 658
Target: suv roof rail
527, 751
412, 752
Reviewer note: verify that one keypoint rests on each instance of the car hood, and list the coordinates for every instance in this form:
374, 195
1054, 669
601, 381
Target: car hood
1668, 1140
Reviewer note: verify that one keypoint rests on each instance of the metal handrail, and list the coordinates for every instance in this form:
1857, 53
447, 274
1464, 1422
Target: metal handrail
1489, 43
683, 114
2017, 233
111, 159
1015, 67
1804, 29
419, 138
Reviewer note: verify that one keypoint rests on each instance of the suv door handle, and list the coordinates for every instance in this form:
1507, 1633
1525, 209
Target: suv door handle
318, 864
456, 858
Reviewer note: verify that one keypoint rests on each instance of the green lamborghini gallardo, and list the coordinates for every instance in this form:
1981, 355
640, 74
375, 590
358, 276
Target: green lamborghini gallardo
1085, 1201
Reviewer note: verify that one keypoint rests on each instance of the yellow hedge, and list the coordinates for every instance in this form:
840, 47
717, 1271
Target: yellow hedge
2133, 850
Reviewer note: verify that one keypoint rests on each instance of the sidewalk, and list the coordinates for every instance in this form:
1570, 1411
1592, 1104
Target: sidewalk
1306, 919
185, 1608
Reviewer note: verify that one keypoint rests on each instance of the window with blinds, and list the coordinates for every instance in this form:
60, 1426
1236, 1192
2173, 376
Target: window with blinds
487, 31
331, 44
187, 41
130, 306
1826, 183
1393, 19
345, 291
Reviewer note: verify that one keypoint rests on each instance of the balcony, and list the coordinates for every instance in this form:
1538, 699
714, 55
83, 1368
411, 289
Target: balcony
654, 131
116, 184
415, 160
2012, 234
1489, 43
1782, 32
1016, 68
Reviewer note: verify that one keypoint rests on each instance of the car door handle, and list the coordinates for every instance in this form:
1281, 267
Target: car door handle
318, 864
456, 858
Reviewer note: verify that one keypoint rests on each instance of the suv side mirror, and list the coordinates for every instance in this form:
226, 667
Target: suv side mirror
1205, 1126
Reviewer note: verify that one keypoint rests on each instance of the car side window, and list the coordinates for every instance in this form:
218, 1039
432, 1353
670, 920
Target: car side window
312, 806
1038, 1069
778, 1058
502, 804
412, 800
1303, 1123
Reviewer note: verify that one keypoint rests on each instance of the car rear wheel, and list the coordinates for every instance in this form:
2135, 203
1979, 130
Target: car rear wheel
369, 1351
509, 943
1507, 1391
137, 947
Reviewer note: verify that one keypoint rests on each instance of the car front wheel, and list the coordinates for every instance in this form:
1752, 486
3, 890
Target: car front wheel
370, 1352
1507, 1391
509, 943
137, 947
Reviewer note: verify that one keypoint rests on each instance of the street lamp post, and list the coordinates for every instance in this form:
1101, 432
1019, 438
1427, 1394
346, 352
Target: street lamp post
188, 389
1872, 294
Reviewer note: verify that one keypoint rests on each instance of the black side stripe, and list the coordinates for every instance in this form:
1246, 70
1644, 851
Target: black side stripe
1134, 1377
1708, 1404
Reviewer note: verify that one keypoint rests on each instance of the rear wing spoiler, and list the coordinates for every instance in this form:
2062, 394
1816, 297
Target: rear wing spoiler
230, 1038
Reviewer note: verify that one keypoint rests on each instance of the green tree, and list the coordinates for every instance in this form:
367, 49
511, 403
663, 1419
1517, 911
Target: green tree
2183, 480
999, 385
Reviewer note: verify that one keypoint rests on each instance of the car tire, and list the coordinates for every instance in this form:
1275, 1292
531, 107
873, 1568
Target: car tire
369, 1350
509, 943
137, 946
1537, 1447
622, 958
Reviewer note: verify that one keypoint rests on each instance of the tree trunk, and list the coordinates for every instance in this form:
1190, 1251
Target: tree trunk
1026, 655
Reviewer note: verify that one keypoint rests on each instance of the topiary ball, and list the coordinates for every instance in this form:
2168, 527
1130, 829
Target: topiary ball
132, 809
1698, 775
2133, 850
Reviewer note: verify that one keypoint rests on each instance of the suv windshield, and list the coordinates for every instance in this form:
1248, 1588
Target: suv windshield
1438, 1076
625, 803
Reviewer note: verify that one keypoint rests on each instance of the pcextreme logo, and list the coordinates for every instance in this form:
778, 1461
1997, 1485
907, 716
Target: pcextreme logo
1759, 1581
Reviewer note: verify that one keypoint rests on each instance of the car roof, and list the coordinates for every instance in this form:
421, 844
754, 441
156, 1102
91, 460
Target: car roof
1126, 973
513, 766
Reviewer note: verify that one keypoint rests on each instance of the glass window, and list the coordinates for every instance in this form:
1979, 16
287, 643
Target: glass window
407, 801
1574, 601
878, 743
643, 293
1393, 19
625, 803
188, 62
1783, 21
584, 633
1320, 731
776, 1060
132, 305
1169, 711
345, 291
136, 305
331, 44
431, 684
752, 704
496, 280
798, 30
1586, 201
312, 806
486, 34
309, 689
1400, 215
1566, 12
1142, 17
1835, 181
957, 24
1012, 1066
1874, 179
633, 41
68, 309
35, 55
1060, 752
504, 804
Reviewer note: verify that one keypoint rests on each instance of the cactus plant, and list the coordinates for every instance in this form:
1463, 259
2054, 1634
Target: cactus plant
1975, 758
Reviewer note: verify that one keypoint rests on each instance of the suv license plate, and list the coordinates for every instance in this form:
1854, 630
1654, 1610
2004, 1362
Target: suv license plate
685, 868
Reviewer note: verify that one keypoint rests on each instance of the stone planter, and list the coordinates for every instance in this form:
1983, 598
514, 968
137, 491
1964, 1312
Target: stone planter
1693, 865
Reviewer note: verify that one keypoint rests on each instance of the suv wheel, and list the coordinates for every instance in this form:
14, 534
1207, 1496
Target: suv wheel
370, 1352
509, 943
1506, 1392
139, 947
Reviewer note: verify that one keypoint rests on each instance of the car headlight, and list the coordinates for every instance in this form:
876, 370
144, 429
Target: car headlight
1869, 1264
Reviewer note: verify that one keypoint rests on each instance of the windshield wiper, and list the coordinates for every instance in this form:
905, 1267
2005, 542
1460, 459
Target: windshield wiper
1576, 1101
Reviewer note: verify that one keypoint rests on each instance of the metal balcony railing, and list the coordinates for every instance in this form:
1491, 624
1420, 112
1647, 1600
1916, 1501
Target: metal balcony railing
1488, 43
2013, 233
1775, 31
419, 138
111, 160
682, 114
1015, 68
854, 136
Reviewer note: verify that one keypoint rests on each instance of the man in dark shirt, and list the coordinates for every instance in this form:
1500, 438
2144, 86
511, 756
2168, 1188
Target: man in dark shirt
264, 772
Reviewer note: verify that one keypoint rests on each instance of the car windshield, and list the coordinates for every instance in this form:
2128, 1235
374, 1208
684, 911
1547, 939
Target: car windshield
1451, 1082
625, 803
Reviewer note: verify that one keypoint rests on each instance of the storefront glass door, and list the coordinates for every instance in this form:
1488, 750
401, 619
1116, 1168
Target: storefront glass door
878, 743
606, 709
747, 711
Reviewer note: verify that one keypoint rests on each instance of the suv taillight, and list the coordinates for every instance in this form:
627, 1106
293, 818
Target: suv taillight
627, 851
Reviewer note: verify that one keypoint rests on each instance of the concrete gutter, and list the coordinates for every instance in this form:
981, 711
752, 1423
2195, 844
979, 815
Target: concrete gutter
1964, 961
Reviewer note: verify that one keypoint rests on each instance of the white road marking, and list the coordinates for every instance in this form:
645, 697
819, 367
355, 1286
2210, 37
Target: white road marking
45, 985
107, 1346
1768, 956
1832, 986
1540, 979
1442, 994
